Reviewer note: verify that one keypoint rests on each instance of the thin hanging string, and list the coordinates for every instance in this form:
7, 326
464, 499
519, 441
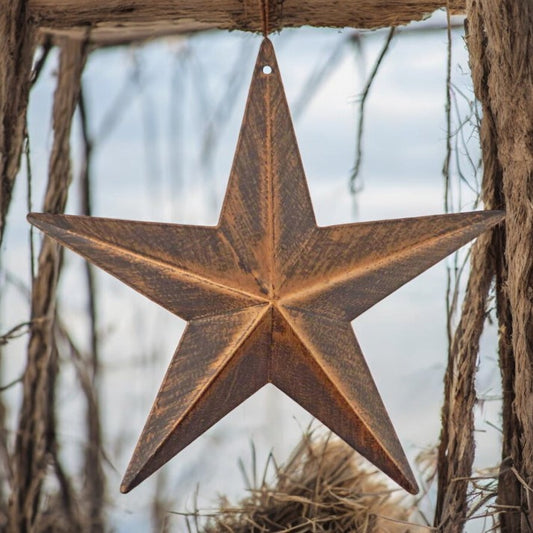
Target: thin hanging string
265, 4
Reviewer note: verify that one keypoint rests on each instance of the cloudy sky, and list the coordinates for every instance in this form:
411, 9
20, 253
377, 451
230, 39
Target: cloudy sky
150, 109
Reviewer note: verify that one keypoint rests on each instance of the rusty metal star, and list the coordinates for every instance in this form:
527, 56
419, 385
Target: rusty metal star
268, 295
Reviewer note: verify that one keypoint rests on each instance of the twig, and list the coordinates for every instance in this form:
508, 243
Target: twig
81, 373
29, 205
448, 110
176, 118
120, 104
41, 61
362, 102
18, 284
153, 173
86, 209
219, 117
94, 489
452, 289
14, 333
11, 383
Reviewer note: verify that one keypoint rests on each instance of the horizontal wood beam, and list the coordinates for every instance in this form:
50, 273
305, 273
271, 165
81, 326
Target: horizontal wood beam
114, 20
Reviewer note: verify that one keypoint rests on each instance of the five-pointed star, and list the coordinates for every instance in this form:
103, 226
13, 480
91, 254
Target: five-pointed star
267, 294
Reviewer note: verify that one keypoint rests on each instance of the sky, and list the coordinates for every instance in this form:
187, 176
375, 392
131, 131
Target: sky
149, 110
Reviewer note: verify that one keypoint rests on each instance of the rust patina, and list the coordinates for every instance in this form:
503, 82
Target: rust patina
267, 294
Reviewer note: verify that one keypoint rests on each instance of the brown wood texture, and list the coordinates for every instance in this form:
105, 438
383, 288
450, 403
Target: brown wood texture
114, 21
500, 43
17, 43
268, 295
35, 444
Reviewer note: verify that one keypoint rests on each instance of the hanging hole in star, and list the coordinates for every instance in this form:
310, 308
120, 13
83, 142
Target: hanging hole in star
267, 69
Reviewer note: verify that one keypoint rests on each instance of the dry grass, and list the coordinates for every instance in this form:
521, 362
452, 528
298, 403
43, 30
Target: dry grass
324, 486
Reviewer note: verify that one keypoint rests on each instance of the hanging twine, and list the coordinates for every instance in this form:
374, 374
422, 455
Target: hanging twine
265, 17
503, 82
500, 46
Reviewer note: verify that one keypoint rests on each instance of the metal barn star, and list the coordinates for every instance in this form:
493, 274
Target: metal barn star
267, 294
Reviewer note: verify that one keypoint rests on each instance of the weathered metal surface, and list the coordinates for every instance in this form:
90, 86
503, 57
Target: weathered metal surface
268, 295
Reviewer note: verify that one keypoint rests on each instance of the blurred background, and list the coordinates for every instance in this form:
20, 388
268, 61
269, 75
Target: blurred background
162, 120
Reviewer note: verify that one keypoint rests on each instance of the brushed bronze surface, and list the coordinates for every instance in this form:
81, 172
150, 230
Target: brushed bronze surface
268, 295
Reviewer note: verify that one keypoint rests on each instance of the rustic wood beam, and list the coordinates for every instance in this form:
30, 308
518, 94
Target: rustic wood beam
111, 20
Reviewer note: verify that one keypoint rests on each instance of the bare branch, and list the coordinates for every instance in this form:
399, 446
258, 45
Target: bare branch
362, 101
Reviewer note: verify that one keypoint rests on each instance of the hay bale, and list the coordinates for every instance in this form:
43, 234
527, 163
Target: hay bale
324, 486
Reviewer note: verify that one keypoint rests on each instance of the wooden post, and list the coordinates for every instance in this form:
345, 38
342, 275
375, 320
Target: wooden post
112, 22
16, 53
500, 42
457, 445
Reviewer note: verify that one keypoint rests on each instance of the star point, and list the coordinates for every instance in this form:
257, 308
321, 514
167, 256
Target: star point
267, 294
